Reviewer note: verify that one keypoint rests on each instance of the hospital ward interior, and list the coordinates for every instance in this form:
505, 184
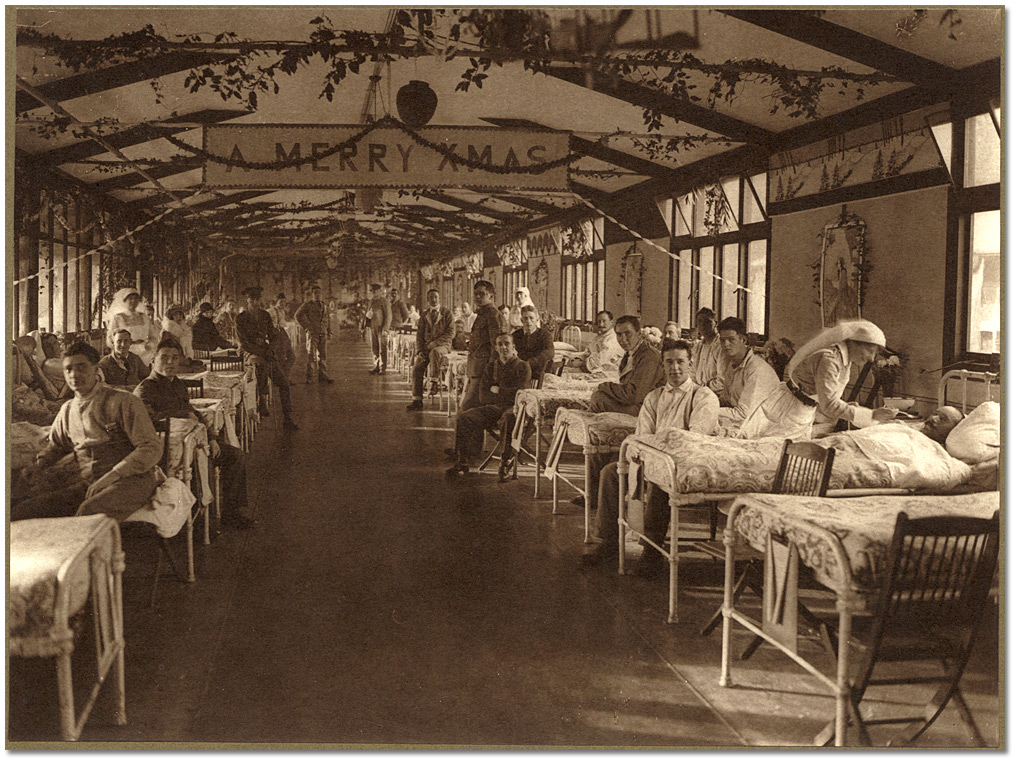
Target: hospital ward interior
619, 378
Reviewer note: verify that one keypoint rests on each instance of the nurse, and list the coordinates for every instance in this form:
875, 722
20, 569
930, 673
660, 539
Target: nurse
810, 401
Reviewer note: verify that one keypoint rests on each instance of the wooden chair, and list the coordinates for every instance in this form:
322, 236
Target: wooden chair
231, 362
201, 354
936, 587
804, 469
196, 388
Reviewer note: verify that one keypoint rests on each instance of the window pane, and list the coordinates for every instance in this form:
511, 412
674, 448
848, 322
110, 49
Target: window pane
756, 252
731, 194
685, 216
982, 158
682, 298
983, 315
706, 284
589, 293
579, 287
600, 290
752, 211
730, 261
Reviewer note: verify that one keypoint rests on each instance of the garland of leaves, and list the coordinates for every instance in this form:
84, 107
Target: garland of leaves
486, 37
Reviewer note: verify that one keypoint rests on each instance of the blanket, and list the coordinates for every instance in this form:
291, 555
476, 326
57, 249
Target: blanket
880, 457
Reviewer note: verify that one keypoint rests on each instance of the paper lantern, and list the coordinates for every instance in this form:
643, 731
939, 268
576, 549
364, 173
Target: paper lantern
416, 103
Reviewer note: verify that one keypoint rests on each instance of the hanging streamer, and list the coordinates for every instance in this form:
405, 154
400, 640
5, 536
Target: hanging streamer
103, 246
673, 255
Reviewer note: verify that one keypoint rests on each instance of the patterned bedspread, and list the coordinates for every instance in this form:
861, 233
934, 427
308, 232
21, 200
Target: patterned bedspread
595, 429
886, 456
39, 547
863, 527
542, 403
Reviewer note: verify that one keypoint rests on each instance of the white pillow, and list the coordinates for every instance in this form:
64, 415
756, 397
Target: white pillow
976, 438
561, 346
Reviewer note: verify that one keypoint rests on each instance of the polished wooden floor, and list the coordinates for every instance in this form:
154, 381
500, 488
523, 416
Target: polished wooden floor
376, 603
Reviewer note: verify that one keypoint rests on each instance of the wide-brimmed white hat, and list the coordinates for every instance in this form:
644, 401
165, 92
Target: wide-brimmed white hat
861, 330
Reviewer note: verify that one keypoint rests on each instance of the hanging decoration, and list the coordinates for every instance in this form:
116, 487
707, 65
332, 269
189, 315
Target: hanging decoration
416, 103
240, 156
513, 253
632, 274
840, 274
540, 284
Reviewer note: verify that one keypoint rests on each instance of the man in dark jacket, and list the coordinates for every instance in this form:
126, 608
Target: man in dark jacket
640, 371
498, 386
122, 367
256, 332
483, 338
204, 334
165, 395
398, 309
314, 319
435, 333
380, 316
533, 342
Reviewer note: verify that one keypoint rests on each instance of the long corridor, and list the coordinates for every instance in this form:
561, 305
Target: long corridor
375, 602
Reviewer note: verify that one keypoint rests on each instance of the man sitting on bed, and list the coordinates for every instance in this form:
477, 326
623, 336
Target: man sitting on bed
165, 395
640, 371
680, 403
747, 379
114, 442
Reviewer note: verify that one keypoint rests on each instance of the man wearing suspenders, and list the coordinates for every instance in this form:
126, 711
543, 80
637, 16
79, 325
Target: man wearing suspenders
680, 403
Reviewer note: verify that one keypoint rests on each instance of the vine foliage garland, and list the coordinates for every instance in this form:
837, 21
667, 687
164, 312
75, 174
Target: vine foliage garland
485, 37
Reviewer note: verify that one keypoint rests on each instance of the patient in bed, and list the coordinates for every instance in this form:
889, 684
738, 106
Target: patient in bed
679, 404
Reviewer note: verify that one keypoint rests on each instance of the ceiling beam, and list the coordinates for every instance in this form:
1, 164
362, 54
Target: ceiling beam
531, 204
119, 75
127, 180
132, 136
684, 111
850, 44
475, 207
211, 204
593, 149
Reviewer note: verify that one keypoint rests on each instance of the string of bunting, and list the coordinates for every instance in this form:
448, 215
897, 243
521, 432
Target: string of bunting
387, 121
675, 256
105, 245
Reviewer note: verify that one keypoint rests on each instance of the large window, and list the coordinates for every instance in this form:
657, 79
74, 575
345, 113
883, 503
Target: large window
721, 235
976, 172
512, 279
583, 273
983, 277
584, 288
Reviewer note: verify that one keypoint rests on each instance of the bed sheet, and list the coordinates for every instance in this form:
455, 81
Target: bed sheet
690, 463
863, 527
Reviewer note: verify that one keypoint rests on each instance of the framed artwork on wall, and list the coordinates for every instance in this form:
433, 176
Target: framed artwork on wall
842, 268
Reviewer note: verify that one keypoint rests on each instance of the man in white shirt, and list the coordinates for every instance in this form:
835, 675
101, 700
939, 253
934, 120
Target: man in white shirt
747, 380
604, 351
680, 403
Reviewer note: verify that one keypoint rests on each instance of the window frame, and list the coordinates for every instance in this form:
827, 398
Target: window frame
964, 202
590, 299
709, 248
